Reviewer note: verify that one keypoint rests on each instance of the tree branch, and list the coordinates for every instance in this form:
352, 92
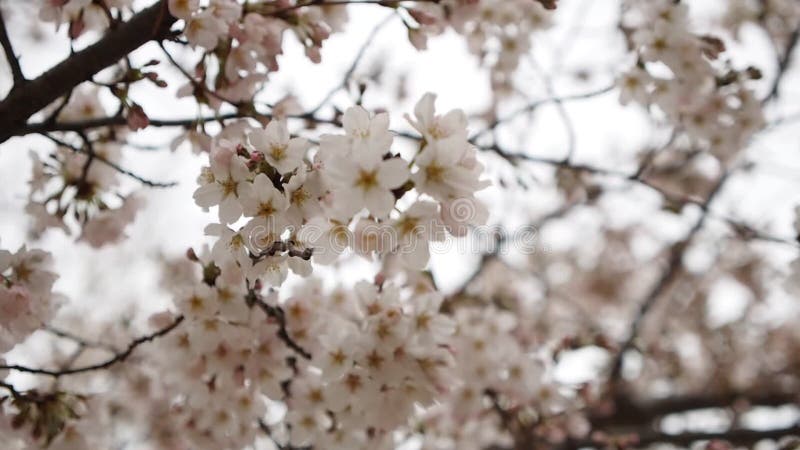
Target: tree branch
530, 107
673, 268
113, 165
310, 3
63, 334
626, 412
11, 57
354, 65
152, 23
738, 437
11, 389
277, 313
117, 358
79, 125
784, 61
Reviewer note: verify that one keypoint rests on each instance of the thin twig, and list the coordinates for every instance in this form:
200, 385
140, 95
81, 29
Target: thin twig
784, 61
537, 103
354, 65
276, 312
741, 228
312, 3
117, 358
78, 125
665, 280
113, 165
11, 57
738, 437
11, 389
569, 127
629, 412
63, 334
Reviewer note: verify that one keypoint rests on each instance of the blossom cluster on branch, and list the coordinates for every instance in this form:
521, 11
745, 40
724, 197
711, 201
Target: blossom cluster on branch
711, 102
27, 301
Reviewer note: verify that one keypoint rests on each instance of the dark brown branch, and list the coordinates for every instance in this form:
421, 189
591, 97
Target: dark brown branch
117, 358
152, 23
312, 3
737, 437
784, 61
627, 413
265, 428
11, 57
277, 313
11, 389
46, 127
90, 155
283, 247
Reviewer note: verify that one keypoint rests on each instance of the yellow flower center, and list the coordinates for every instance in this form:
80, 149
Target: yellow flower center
266, 209
278, 152
300, 196
435, 173
229, 187
367, 180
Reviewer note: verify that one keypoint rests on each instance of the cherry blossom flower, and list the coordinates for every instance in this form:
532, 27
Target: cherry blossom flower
328, 239
368, 137
451, 126
109, 225
183, 9
440, 174
271, 269
365, 182
265, 204
204, 29
224, 183
281, 151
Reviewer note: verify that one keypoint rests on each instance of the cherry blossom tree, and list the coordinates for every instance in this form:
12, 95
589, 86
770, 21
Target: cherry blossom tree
314, 314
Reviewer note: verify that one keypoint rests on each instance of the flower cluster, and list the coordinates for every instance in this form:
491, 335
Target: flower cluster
779, 17
246, 37
81, 15
496, 367
26, 298
377, 356
249, 37
345, 196
338, 360
714, 107
80, 183
497, 31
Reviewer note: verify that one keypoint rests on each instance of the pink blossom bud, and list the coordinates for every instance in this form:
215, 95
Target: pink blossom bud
13, 303
76, 28
137, 119
422, 17
313, 54
418, 39
161, 320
